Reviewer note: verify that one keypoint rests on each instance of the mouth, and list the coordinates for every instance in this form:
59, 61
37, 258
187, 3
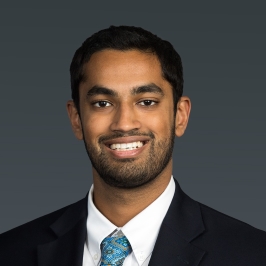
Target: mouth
127, 147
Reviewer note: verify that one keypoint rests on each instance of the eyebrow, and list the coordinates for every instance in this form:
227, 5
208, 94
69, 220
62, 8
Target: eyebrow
148, 88
99, 90
152, 88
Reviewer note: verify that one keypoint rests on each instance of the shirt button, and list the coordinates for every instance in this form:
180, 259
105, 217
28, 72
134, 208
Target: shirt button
141, 256
95, 256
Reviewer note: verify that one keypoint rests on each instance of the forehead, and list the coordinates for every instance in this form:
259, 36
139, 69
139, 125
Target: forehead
120, 70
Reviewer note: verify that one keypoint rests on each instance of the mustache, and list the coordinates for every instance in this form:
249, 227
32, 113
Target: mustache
123, 134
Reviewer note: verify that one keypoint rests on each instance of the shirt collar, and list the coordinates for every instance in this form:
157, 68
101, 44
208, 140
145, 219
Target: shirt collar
141, 231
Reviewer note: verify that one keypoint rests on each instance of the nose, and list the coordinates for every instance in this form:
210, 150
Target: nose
125, 119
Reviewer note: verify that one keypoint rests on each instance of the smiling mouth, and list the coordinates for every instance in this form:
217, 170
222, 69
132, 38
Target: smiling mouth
127, 146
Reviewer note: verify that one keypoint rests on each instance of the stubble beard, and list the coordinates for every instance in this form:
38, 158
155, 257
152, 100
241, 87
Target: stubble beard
128, 173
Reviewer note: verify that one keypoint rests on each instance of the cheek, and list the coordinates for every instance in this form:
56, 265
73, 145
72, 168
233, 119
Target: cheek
160, 124
94, 127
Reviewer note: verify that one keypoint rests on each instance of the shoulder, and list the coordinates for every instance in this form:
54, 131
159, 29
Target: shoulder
24, 240
216, 221
231, 239
30, 231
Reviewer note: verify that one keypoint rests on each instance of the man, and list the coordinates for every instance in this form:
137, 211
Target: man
127, 107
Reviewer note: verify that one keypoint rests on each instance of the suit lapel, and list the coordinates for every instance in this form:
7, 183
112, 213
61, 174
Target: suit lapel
182, 224
70, 229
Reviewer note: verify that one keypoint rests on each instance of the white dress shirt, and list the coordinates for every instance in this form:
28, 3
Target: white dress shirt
141, 231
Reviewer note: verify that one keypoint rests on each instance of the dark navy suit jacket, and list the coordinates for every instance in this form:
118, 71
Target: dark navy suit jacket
191, 234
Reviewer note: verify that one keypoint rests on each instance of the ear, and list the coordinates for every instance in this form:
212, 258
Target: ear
182, 115
74, 119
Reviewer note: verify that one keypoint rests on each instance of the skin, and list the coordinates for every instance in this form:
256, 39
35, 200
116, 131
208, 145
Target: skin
122, 71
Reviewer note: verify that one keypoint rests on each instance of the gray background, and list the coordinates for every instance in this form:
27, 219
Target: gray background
220, 161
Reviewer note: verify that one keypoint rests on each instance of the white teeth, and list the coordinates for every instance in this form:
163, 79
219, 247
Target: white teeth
123, 146
126, 146
129, 146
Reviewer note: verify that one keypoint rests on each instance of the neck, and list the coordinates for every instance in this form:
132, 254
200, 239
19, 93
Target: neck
120, 205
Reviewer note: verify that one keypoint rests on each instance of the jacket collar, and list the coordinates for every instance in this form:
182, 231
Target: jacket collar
70, 229
182, 224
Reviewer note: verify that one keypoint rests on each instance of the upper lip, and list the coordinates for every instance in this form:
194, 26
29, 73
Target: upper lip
127, 140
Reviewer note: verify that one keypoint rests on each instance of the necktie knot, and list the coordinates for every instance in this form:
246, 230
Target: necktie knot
115, 250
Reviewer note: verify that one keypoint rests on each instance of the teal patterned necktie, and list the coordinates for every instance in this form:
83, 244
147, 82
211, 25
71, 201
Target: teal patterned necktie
115, 250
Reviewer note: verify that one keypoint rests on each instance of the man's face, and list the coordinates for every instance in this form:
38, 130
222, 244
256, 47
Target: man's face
127, 117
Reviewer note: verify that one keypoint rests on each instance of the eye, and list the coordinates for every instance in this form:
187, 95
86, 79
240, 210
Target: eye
147, 103
101, 104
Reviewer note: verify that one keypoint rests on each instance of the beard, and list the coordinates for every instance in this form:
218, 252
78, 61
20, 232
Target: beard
128, 173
